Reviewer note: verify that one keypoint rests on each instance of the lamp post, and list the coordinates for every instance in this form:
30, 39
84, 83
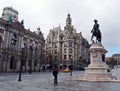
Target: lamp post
31, 56
71, 66
20, 71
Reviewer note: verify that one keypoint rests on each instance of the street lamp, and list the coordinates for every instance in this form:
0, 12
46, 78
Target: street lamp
20, 71
31, 56
71, 66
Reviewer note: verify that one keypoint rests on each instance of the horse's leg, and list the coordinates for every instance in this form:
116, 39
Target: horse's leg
99, 39
91, 37
96, 39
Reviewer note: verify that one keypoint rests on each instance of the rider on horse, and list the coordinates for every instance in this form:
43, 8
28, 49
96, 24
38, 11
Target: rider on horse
96, 32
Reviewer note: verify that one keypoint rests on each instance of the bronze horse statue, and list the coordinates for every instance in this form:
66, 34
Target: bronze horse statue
96, 32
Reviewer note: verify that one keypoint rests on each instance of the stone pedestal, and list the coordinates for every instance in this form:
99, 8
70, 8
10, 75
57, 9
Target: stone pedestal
97, 70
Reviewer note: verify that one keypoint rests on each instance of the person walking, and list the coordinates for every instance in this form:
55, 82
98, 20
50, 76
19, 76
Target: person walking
55, 73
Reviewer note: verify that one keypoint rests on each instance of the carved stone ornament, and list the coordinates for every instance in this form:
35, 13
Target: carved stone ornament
94, 55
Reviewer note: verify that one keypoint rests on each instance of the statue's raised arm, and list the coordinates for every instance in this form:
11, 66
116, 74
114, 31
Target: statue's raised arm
96, 32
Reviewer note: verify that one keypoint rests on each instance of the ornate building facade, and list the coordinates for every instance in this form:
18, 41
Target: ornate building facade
66, 47
13, 38
116, 58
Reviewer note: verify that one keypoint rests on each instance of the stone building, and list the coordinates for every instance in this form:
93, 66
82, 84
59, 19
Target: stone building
19, 44
116, 57
66, 47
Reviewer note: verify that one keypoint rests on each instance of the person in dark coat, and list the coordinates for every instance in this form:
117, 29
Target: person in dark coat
55, 73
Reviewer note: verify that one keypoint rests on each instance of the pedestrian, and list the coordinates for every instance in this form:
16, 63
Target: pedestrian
44, 69
55, 73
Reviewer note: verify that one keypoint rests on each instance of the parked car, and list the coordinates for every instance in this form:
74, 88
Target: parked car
67, 70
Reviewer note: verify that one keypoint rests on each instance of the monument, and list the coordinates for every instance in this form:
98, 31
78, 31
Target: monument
97, 70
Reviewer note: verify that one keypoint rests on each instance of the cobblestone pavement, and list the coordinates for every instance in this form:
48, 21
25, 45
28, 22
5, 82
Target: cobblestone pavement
44, 82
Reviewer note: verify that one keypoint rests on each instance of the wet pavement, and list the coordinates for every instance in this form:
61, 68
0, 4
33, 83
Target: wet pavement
44, 82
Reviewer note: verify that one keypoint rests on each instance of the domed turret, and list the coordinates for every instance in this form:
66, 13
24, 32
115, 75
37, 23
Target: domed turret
9, 14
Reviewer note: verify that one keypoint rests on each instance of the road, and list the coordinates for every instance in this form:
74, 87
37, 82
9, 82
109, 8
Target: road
44, 82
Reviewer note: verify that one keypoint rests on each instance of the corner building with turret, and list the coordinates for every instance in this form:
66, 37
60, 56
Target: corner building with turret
66, 47
19, 44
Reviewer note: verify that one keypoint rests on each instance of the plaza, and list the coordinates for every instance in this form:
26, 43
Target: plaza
29, 57
43, 81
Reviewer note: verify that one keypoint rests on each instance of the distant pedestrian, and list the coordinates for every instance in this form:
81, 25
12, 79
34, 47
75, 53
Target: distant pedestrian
55, 73
43, 68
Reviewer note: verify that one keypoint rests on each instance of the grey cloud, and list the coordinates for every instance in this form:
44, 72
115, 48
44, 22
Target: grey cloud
49, 13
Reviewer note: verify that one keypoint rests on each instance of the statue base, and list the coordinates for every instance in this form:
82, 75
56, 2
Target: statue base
97, 70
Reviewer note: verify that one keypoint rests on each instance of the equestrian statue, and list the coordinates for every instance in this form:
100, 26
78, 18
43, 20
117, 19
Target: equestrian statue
96, 32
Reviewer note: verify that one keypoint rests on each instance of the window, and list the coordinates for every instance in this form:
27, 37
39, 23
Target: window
49, 39
65, 44
55, 51
1, 30
61, 38
55, 39
35, 63
55, 57
15, 36
70, 56
25, 39
65, 50
14, 39
13, 42
55, 46
70, 50
60, 56
14, 16
70, 44
49, 51
65, 57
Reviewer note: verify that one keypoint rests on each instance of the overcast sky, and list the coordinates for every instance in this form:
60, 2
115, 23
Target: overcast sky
51, 13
